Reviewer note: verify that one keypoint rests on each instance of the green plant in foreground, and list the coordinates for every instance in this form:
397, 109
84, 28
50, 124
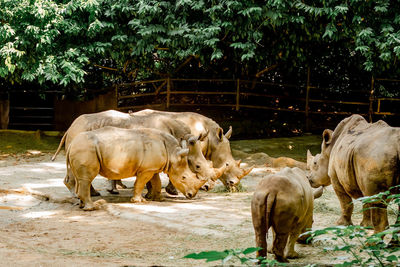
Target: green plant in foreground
232, 255
365, 249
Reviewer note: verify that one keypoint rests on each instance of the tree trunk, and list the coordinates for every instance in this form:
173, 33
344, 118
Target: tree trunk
4, 113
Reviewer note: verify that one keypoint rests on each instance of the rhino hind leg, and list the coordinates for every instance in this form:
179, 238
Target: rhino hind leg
290, 252
346, 204
83, 192
171, 189
279, 245
379, 218
367, 220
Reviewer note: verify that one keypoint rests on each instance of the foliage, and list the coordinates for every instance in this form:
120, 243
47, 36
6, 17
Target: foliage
233, 254
64, 42
365, 249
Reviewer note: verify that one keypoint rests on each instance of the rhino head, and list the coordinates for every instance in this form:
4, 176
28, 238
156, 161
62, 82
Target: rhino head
319, 163
197, 162
222, 155
180, 174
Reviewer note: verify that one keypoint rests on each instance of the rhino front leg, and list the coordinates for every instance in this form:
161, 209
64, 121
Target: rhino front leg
346, 203
141, 180
171, 189
154, 188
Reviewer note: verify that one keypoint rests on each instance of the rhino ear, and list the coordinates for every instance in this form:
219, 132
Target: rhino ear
203, 135
220, 133
229, 133
310, 159
327, 136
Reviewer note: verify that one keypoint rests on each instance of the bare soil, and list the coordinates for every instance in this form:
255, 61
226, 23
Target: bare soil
42, 225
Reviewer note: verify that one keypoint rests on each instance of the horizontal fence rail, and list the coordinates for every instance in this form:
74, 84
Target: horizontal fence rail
239, 94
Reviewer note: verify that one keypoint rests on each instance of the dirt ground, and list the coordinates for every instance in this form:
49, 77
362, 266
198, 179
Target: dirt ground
42, 225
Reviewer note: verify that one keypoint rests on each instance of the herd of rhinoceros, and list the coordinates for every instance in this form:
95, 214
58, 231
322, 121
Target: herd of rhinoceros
358, 158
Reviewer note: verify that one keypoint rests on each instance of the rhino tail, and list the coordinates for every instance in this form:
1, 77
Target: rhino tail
59, 146
263, 208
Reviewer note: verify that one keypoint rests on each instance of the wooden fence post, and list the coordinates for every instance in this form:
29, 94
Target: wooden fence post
168, 91
237, 94
371, 99
307, 100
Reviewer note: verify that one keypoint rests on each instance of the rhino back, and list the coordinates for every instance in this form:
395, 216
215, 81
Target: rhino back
93, 121
294, 196
125, 152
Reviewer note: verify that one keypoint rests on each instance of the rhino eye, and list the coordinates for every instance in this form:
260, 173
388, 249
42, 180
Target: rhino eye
183, 177
197, 167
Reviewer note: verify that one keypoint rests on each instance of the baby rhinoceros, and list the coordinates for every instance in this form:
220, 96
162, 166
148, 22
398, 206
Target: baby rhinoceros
118, 153
283, 201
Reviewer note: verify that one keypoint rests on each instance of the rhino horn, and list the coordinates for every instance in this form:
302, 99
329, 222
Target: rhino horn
183, 152
318, 192
245, 172
183, 144
229, 133
219, 172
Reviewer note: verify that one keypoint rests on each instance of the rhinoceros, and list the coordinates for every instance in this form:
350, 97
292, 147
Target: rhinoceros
359, 159
283, 201
179, 130
216, 146
119, 153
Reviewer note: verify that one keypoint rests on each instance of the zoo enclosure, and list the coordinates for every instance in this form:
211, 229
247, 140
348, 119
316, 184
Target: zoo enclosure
244, 94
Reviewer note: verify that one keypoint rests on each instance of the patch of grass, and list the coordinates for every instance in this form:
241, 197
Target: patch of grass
293, 147
20, 142
222, 189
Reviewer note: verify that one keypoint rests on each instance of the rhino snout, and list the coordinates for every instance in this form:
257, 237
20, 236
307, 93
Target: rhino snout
190, 195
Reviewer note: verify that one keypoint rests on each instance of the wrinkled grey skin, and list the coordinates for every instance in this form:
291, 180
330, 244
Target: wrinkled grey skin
359, 159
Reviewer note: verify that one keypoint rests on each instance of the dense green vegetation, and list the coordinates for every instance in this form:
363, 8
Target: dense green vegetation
71, 43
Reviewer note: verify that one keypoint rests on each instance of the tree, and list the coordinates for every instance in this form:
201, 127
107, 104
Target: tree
65, 43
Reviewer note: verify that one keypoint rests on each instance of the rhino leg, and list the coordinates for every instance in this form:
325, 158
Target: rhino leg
93, 192
290, 252
119, 183
141, 180
69, 182
379, 218
366, 221
171, 189
279, 246
346, 203
113, 187
84, 195
154, 188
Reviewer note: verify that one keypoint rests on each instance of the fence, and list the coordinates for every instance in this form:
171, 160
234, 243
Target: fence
243, 94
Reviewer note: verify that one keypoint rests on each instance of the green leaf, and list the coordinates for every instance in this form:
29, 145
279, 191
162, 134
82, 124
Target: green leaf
251, 250
208, 255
